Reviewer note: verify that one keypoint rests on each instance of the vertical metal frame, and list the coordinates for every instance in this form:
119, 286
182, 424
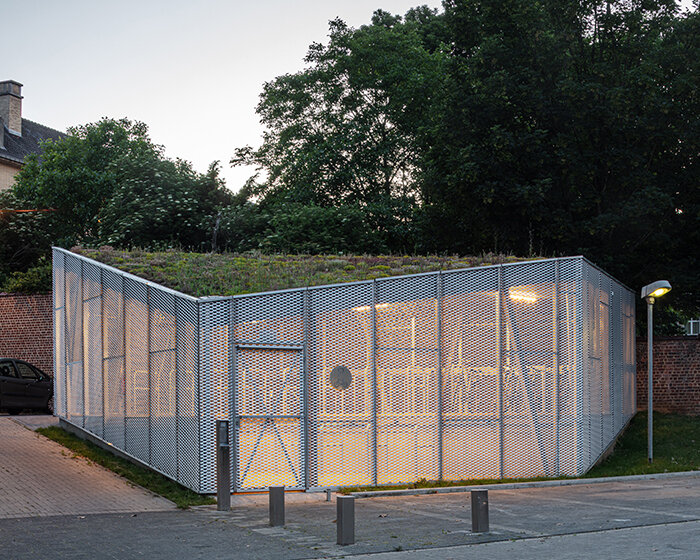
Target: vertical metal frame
306, 310
557, 372
233, 424
499, 366
441, 468
102, 349
81, 299
373, 311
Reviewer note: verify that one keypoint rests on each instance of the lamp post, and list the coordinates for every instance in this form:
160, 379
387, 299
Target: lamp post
649, 293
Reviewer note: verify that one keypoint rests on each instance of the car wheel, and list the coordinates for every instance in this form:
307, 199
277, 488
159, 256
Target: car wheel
49, 406
14, 411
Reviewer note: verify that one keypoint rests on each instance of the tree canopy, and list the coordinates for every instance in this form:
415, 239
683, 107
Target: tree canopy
527, 127
108, 183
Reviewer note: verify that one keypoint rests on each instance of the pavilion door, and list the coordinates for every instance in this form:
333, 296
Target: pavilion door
269, 417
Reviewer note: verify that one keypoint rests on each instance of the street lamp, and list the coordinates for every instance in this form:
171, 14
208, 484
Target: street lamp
649, 293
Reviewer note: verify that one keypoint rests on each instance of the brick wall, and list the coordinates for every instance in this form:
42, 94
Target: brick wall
676, 374
7, 174
26, 329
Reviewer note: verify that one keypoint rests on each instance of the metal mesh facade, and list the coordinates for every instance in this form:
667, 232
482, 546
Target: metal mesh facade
517, 370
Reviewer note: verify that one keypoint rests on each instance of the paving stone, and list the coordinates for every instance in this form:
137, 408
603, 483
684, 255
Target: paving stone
39, 477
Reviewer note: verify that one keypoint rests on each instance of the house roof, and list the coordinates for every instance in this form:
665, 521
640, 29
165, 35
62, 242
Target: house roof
16, 148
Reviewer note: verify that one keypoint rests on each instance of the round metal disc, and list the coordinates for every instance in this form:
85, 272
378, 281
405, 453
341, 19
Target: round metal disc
340, 378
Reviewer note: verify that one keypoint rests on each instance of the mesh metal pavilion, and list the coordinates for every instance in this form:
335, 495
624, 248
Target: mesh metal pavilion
515, 370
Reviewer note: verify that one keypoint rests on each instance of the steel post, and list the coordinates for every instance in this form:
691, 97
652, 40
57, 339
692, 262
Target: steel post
276, 506
556, 366
305, 386
650, 379
480, 511
223, 466
499, 365
374, 383
439, 374
345, 522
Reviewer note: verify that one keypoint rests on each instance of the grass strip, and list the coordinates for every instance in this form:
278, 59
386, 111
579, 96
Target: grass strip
676, 449
153, 481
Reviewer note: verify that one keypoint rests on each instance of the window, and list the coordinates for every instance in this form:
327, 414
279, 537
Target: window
27, 372
692, 328
7, 369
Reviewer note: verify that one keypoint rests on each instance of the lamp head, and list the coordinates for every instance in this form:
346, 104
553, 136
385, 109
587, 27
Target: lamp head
656, 289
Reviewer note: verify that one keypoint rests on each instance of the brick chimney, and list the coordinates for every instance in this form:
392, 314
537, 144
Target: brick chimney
11, 105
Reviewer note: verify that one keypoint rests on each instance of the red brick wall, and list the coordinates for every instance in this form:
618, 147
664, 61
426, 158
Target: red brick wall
26, 329
676, 374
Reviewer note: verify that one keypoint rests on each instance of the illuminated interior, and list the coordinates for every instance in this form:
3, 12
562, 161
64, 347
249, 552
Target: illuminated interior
530, 380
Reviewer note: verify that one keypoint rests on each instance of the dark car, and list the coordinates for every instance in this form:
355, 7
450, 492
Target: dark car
23, 385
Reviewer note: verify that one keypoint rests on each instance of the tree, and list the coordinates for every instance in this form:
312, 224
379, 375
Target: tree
108, 183
76, 175
345, 129
570, 129
162, 203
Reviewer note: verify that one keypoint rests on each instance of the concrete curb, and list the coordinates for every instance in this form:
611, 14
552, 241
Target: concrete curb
518, 485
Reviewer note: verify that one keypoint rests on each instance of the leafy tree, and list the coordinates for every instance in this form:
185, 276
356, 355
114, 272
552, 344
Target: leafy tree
108, 183
310, 229
23, 237
161, 203
241, 227
345, 129
76, 175
570, 129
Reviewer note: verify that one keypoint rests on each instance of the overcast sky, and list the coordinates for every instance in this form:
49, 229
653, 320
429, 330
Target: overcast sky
191, 70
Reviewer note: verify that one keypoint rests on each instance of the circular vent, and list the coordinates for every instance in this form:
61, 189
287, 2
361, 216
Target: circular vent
340, 378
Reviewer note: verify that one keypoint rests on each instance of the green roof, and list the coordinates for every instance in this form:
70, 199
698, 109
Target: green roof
226, 274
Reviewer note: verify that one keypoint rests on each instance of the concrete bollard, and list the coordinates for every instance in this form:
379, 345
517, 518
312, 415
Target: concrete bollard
223, 467
480, 511
345, 519
276, 506
328, 494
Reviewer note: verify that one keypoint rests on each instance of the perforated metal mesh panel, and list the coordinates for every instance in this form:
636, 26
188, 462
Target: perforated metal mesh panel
269, 418
92, 349
407, 379
518, 370
568, 344
126, 363
528, 377
470, 374
113, 348
187, 395
269, 391
163, 381
74, 341
341, 421
214, 383
59, 333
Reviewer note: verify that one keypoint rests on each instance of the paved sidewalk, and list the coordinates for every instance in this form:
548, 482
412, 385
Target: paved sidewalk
39, 477
677, 541
657, 519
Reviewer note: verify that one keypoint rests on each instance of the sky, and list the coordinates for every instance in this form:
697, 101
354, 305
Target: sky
192, 71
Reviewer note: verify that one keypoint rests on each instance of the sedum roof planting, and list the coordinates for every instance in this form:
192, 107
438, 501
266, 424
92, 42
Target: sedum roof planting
226, 274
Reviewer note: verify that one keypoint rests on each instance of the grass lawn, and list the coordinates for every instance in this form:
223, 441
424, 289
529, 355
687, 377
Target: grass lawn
676, 448
157, 483
226, 274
